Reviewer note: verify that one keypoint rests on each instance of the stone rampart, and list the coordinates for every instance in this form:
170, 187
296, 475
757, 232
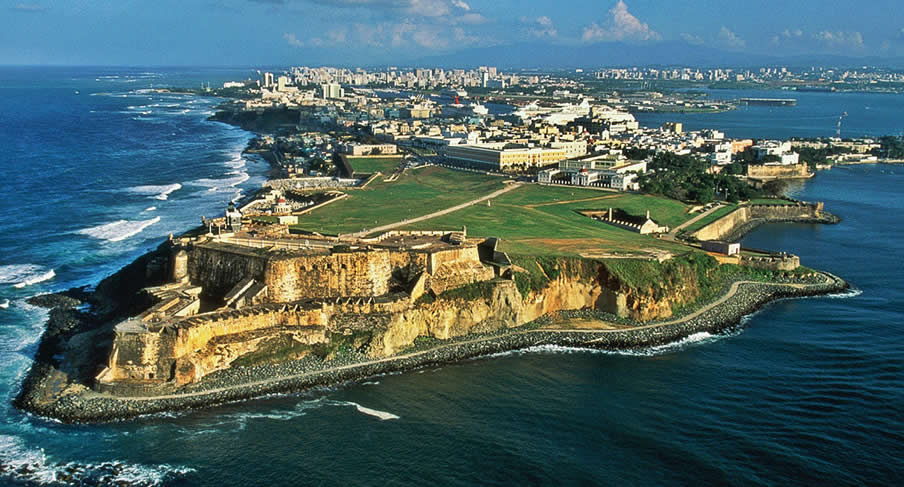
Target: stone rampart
776, 262
358, 273
730, 226
218, 267
778, 171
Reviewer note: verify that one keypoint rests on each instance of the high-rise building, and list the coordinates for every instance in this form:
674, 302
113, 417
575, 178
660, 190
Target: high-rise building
268, 80
332, 90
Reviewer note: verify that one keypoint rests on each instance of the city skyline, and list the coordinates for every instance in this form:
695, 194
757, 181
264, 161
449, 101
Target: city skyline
244, 32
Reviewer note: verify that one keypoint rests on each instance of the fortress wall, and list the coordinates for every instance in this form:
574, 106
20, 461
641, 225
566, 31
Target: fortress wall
329, 276
199, 334
454, 255
728, 224
778, 171
773, 263
724, 225
403, 259
217, 268
782, 212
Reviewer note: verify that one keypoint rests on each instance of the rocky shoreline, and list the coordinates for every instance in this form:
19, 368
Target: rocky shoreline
83, 405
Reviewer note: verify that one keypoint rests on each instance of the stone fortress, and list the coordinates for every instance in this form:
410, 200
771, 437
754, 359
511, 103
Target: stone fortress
231, 289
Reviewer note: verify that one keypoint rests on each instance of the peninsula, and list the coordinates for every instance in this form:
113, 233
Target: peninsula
368, 258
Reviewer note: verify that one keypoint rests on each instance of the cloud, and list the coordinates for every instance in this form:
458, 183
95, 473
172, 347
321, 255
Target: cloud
430, 38
840, 40
692, 39
407, 33
729, 39
540, 27
621, 25
292, 40
786, 36
417, 8
29, 8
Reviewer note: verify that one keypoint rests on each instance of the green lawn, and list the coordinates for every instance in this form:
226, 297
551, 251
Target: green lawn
369, 165
415, 193
544, 220
709, 218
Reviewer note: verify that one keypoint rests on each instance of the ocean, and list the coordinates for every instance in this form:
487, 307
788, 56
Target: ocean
804, 392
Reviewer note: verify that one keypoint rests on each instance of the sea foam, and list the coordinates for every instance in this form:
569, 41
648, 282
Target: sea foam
22, 275
31, 466
159, 192
118, 230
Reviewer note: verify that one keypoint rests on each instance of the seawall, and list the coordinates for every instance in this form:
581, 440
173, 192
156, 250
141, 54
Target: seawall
742, 220
249, 382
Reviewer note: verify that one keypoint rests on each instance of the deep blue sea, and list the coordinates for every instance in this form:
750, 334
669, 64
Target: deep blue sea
806, 392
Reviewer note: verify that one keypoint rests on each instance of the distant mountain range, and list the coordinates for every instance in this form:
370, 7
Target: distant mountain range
665, 53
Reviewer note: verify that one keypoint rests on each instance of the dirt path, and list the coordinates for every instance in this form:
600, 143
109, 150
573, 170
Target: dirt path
595, 198
731, 292
435, 214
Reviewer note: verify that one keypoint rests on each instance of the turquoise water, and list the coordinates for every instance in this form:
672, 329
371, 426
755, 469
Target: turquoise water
806, 392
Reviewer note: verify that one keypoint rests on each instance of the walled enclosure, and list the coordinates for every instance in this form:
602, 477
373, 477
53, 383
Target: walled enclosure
309, 295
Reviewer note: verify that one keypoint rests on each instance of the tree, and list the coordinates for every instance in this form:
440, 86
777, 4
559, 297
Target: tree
775, 187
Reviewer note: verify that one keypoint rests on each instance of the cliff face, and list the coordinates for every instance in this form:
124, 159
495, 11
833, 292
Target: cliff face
172, 356
445, 319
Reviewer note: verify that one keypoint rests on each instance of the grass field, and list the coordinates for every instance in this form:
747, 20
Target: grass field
414, 194
368, 165
697, 225
534, 220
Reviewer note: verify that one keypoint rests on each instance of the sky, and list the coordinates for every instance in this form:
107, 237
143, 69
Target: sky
370, 32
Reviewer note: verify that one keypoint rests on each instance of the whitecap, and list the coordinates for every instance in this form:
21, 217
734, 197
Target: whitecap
850, 293
4, 304
35, 279
30, 465
118, 230
694, 339
159, 192
22, 275
383, 415
150, 208
225, 183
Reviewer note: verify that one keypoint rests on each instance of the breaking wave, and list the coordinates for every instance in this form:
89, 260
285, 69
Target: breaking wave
225, 183
118, 230
239, 421
850, 293
159, 192
23, 275
691, 340
20, 463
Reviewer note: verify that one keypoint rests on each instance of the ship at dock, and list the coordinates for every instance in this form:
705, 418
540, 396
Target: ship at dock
777, 102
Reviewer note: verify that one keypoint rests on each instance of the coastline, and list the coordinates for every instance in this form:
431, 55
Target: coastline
244, 383
76, 403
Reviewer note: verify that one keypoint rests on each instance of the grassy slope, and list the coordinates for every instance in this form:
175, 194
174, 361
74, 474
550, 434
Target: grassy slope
367, 165
710, 218
414, 194
543, 220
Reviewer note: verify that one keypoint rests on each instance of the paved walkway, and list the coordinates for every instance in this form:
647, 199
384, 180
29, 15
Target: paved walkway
391, 226
671, 235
